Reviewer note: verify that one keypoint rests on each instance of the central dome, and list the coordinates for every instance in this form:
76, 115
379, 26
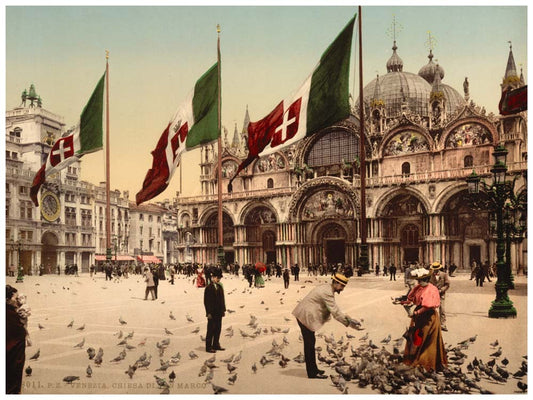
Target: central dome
398, 88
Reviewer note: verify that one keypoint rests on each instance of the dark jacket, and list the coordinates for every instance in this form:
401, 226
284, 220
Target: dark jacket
15, 350
214, 300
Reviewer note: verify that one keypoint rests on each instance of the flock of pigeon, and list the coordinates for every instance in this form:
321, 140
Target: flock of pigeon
353, 362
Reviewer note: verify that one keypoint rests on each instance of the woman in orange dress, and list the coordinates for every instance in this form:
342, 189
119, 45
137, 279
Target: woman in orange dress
425, 346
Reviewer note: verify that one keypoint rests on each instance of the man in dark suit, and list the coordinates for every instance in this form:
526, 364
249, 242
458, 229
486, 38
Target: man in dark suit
215, 309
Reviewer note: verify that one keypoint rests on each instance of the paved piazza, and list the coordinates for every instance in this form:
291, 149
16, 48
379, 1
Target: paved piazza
99, 306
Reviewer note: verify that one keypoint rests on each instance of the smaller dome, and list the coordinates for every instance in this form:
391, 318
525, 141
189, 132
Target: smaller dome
429, 71
395, 63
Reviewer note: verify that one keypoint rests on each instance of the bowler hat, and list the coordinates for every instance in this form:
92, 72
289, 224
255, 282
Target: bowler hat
340, 278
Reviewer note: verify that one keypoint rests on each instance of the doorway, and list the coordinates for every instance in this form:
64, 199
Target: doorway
475, 254
410, 255
335, 251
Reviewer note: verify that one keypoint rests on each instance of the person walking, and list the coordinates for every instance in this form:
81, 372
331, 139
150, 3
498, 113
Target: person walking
286, 277
441, 280
313, 312
479, 275
296, 272
392, 271
486, 270
155, 276
377, 269
215, 310
453, 267
425, 346
150, 287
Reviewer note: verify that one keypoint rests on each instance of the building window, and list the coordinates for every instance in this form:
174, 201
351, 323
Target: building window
406, 169
270, 183
333, 148
26, 210
150, 219
23, 190
469, 161
141, 217
70, 216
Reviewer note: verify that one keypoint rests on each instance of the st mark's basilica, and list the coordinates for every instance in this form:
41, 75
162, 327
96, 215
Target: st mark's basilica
423, 138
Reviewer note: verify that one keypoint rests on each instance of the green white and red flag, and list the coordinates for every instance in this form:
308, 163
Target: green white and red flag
86, 137
321, 101
195, 123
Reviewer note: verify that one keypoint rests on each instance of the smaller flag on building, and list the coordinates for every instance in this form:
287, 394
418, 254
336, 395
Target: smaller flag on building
195, 123
87, 137
513, 101
322, 100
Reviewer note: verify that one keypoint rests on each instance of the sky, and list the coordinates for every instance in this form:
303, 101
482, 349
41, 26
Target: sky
157, 53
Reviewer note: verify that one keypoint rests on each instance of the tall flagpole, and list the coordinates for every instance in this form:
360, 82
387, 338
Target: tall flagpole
107, 163
221, 258
363, 256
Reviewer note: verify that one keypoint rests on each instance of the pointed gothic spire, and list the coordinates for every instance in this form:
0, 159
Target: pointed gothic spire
511, 77
235, 143
377, 100
246, 121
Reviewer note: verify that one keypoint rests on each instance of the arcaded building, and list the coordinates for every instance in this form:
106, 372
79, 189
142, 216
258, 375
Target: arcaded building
302, 205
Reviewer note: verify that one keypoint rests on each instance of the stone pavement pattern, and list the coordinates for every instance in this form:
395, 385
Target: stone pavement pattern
98, 306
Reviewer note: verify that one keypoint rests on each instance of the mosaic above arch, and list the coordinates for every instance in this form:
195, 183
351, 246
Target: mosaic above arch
406, 142
468, 135
229, 167
327, 203
272, 162
259, 216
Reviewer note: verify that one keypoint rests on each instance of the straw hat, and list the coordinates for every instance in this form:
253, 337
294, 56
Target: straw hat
340, 278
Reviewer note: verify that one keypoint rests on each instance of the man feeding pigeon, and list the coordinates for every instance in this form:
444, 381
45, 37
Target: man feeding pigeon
314, 311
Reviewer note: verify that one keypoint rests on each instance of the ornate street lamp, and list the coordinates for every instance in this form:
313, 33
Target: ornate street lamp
499, 193
17, 246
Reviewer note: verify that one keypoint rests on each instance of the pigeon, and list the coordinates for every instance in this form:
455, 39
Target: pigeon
81, 327
131, 370
196, 330
387, 339
171, 316
497, 353
505, 361
193, 355
119, 334
161, 382
28, 370
231, 368
168, 332
254, 368
142, 342
166, 390
36, 355
40, 326
122, 322
232, 379
91, 352
237, 357
218, 389
522, 386
172, 376
494, 344
89, 371
71, 324
80, 344
70, 378
120, 356
229, 359
365, 337
129, 335
189, 318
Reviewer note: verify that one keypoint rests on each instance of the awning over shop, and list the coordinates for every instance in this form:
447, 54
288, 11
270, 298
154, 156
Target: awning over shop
149, 259
119, 257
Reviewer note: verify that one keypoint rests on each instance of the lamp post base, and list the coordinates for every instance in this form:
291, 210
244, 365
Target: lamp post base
20, 275
502, 307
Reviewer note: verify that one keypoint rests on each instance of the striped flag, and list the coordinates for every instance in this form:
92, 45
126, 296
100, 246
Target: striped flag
322, 100
87, 137
195, 123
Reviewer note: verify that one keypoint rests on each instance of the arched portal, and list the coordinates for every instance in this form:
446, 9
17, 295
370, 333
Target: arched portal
332, 238
49, 243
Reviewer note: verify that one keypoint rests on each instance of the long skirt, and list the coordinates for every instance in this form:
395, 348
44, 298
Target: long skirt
200, 281
259, 281
425, 346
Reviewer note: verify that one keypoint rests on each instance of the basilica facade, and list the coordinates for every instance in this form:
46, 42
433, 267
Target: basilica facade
422, 139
